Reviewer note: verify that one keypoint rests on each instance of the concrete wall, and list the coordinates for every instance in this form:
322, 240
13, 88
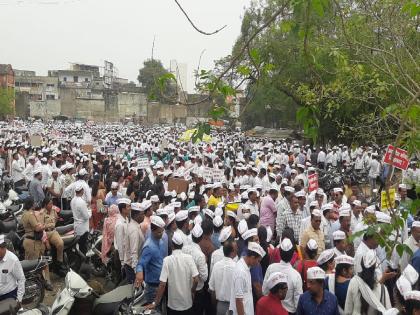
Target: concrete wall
22, 105
130, 104
45, 109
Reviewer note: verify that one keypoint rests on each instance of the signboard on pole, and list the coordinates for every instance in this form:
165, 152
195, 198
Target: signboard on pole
400, 159
385, 203
313, 182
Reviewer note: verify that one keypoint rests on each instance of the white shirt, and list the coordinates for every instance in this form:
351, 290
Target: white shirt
221, 278
241, 288
216, 256
199, 258
87, 195
178, 270
12, 275
81, 215
57, 185
321, 157
374, 168
120, 235
133, 244
28, 172
405, 259
294, 284
17, 171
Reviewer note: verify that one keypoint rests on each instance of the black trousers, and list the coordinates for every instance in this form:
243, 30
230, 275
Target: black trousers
186, 312
83, 246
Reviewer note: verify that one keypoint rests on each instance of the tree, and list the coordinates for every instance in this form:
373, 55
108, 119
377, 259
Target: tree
7, 97
154, 79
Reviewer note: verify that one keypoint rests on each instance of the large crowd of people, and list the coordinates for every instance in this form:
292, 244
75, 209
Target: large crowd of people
229, 226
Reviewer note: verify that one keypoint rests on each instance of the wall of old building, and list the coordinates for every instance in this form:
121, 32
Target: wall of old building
47, 109
132, 104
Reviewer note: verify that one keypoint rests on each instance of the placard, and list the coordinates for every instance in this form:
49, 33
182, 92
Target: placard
208, 173
218, 175
385, 203
36, 140
88, 148
313, 182
400, 159
109, 150
143, 163
177, 184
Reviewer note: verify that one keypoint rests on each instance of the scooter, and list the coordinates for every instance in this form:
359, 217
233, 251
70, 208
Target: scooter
78, 297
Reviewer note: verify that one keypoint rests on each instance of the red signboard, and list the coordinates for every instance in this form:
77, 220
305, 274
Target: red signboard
313, 182
400, 159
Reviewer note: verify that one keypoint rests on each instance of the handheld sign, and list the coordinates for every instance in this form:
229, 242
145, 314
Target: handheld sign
385, 203
143, 163
400, 159
313, 182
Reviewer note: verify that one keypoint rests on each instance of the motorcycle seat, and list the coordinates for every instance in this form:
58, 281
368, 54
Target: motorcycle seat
64, 229
14, 208
66, 214
29, 265
108, 303
69, 240
7, 226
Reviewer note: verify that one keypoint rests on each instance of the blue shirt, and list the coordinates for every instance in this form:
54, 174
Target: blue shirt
415, 261
151, 260
308, 306
112, 200
164, 239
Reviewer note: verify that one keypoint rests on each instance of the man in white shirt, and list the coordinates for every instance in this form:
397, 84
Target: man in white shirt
12, 278
54, 187
17, 171
199, 258
221, 278
28, 172
321, 158
81, 215
70, 189
181, 275
374, 170
134, 242
241, 300
121, 227
294, 279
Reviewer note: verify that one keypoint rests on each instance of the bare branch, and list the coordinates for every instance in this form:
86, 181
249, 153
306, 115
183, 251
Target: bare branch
193, 25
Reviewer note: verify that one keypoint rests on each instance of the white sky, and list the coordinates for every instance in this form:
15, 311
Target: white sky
44, 35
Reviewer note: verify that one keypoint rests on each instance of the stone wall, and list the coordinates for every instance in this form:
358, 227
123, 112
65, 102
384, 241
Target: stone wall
45, 109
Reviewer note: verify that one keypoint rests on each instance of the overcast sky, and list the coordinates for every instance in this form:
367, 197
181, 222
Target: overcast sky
43, 35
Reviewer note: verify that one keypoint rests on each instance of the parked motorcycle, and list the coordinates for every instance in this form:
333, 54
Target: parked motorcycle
78, 297
35, 283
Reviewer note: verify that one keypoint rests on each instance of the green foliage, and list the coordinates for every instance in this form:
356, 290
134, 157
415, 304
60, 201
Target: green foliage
156, 80
7, 97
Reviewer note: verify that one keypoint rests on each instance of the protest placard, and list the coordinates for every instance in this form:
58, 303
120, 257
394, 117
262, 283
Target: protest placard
313, 182
400, 159
177, 184
388, 203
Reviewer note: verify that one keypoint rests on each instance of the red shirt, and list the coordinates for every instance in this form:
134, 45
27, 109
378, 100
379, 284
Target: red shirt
270, 305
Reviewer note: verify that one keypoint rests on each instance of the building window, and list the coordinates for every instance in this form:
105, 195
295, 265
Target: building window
65, 79
86, 79
75, 78
50, 97
50, 85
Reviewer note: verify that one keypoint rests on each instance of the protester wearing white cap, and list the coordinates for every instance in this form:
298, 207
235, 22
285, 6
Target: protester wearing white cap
218, 225
366, 285
343, 224
252, 202
338, 283
217, 255
411, 242
193, 249
271, 304
134, 241
180, 274
356, 214
221, 273
36, 189
317, 299
150, 262
81, 215
181, 219
310, 253
313, 231
339, 242
13, 280
87, 193
124, 205
241, 292
294, 279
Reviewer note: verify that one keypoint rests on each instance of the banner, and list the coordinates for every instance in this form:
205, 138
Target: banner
400, 159
385, 203
313, 182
